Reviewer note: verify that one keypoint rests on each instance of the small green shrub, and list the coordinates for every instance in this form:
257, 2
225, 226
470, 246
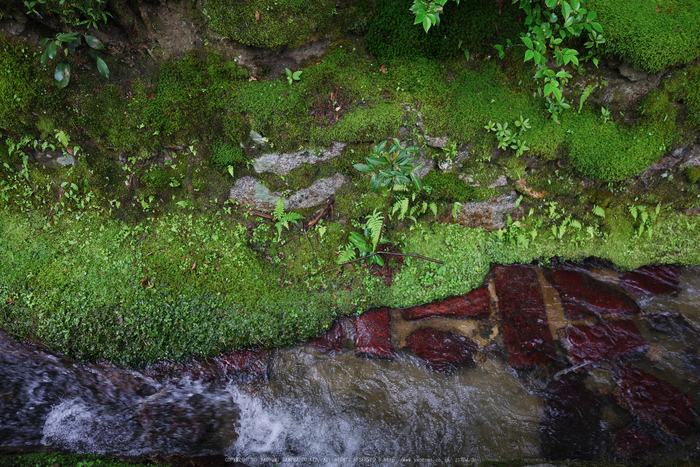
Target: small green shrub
651, 35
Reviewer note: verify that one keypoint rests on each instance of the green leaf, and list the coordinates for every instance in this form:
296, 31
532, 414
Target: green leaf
550, 3
529, 54
527, 41
51, 49
597, 27
102, 67
591, 16
62, 74
94, 42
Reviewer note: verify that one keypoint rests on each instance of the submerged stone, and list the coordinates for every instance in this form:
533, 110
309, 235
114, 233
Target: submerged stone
654, 401
582, 295
373, 334
629, 442
571, 425
525, 326
652, 280
473, 305
331, 341
443, 351
602, 341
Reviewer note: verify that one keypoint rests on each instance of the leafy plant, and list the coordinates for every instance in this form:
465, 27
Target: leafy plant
69, 42
292, 76
366, 242
282, 219
644, 219
509, 139
605, 115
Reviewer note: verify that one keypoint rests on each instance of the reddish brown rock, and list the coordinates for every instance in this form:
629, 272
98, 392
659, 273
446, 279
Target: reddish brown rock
602, 341
524, 317
629, 442
443, 351
331, 341
652, 280
373, 334
473, 305
244, 361
582, 295
570, 428
654, 400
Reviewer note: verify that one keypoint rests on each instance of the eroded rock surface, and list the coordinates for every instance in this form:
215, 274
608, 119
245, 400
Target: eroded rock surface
373, 334
283, 163
629, 442
490, 214
602, 341
331, 341
473, 305
525, 326
652, 280
252, 193
442, 351
582, 295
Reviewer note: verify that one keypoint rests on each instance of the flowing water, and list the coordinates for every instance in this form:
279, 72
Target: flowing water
334, 408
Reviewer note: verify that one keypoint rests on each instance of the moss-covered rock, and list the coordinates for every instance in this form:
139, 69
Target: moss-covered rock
270, 23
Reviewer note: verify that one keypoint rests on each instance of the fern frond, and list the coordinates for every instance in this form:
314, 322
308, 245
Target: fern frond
433, 208
279, 209
347, 253
374, 226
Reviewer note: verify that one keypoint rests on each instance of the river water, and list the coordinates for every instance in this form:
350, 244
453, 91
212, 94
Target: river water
316, 407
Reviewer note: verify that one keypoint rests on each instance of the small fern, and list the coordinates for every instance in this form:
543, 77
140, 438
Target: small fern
283, 218
598, 211
586, 93
373, 228
346, 253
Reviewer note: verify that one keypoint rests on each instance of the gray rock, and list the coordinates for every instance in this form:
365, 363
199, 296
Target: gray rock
502, 180
448, 165
440, 142
490, 214
692, 157
316, 194
282, 164
631, 73
469, 179
257, 138
678, 153
250, 192
65, 160
427, 165
52, 159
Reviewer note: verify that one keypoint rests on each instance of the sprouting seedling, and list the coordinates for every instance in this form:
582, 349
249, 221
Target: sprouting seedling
292, 75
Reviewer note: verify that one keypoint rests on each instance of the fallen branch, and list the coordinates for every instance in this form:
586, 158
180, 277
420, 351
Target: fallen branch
259, 214
329, 205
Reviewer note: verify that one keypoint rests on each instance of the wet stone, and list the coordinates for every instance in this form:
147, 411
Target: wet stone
629, 442
244, 361
654, 401
473, 305
331, 341
442, 351
525, 326
582, 295
373, 334
652, 280
602, 341
571, 425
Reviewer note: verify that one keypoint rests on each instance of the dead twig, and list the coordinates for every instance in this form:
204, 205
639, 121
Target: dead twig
329, 205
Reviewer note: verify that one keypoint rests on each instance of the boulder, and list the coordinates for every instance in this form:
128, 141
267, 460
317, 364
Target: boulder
373, 334
490, 214
654, 401
525, 326
252, 193
602, 341
473, 305
582, 295
442, 351
652, 280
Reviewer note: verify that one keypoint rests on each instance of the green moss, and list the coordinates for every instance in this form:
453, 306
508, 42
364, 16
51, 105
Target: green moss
693, 173
269, 23
225, 154
610, 151
447, 186
651, 35
54, 459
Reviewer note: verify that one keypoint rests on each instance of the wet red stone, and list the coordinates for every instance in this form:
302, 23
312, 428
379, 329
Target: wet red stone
654, 400
652, 280
524, 317
244, 361
602, 341
629, 442
373, 334
473, 305
443, 351
570, 428
582, 295
331, 341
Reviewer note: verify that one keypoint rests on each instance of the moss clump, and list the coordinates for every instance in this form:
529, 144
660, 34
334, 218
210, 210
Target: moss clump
610, 151
269, 23
693, 173
447, 186
23, 87
651, 35
225, 154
